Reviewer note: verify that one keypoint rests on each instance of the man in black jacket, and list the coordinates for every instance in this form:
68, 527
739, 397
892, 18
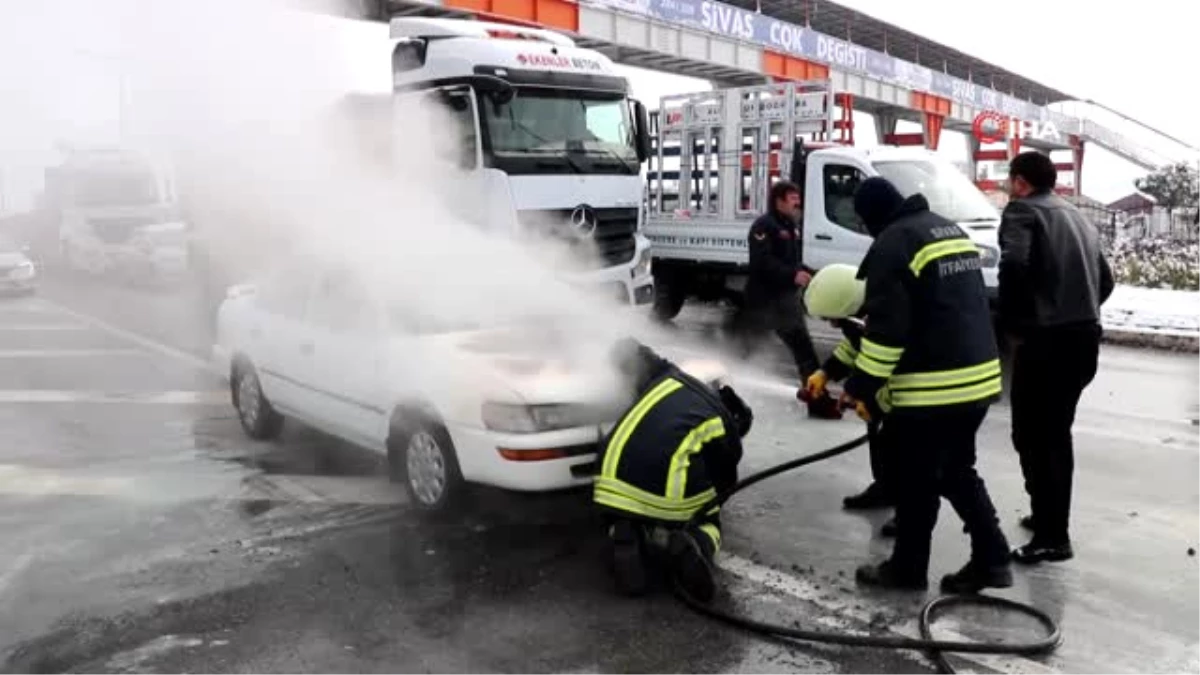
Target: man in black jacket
675, 449
1053, 279
777, 273
927, 360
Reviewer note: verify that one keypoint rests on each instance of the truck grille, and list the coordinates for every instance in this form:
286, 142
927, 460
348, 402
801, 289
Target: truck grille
118, 229
612, 243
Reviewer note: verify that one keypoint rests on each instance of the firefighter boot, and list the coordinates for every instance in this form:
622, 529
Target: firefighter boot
690, 566
628, 564
974, 577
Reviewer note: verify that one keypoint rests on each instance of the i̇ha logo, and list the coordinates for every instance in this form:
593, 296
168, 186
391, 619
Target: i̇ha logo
992, 127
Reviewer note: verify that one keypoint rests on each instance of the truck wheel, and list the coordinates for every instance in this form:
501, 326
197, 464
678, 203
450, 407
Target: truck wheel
259, 419
421, 455
667, 301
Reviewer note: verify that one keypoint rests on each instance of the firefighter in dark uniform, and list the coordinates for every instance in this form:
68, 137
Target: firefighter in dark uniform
772, 297
674, 450
836, 294
927, 361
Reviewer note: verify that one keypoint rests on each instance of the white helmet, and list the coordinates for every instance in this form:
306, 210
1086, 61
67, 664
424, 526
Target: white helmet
835, 292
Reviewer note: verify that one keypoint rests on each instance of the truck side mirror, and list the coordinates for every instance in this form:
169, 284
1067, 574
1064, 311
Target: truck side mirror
642, 130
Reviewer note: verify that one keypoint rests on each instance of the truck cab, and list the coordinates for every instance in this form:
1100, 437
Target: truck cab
701, 200
545, 134
116, 214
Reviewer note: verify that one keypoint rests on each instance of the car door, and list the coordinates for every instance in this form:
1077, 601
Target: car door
833, 232
277, 335
347, 360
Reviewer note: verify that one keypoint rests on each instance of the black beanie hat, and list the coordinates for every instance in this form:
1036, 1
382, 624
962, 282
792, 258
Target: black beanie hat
876, 201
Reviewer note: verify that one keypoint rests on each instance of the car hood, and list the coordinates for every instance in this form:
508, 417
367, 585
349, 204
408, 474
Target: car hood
12, 258
524, 366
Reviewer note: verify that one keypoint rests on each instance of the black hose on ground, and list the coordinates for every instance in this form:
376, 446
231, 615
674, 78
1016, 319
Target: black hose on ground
936, 649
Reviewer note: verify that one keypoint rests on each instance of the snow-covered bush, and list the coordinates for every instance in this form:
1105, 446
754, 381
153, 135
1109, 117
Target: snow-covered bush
1155, 263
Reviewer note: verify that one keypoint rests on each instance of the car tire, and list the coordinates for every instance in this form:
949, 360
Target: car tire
259, 419
422, 457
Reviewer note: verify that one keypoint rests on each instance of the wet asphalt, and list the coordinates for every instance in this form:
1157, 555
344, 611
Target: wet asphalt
144, 533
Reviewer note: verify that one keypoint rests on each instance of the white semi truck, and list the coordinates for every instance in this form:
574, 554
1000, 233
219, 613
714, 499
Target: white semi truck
716, 154
113, 211
548, 137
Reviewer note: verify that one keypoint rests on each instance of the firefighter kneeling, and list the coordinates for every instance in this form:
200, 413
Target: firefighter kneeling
671, 453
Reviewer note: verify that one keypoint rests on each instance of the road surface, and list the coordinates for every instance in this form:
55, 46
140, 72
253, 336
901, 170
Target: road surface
145, 533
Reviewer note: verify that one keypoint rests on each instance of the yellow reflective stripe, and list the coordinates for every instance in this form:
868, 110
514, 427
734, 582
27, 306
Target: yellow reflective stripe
631, 491
714, 533
870, 366
691, 444
968, 394
881, 353
627, 505
946, 378
883, 396
845, 352
612, 454
940, 249
627, 498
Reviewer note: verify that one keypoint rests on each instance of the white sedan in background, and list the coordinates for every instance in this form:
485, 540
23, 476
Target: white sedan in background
511, 406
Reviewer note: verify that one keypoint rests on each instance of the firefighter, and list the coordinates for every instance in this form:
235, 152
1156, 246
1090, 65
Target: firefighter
675, 449
777, 273
836, 294
928, 361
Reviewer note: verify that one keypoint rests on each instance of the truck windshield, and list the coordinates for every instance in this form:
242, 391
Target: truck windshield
951, 194
115, 188
545, 130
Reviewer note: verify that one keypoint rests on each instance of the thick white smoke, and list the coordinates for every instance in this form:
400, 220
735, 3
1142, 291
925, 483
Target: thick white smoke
241, 98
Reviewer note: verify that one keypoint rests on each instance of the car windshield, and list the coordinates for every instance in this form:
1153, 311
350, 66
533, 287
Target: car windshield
951, 194
542, 130
405, 318
8, 245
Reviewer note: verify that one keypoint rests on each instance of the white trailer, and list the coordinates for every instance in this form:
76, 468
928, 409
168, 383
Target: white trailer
715, 155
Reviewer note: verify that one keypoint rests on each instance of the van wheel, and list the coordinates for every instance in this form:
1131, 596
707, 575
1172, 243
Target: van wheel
259, 419
421, 455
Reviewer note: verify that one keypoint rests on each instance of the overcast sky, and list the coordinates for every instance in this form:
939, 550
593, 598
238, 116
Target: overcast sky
58, 78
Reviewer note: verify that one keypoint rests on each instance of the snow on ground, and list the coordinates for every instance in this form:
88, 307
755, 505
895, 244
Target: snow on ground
1153, 310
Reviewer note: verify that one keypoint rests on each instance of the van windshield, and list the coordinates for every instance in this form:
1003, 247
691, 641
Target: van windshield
951, 194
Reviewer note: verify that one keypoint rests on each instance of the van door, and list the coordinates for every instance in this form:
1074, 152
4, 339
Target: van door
833, 232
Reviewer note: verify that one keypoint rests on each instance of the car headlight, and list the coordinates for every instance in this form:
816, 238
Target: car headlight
515, 418
642, 268
989, 255
23, 272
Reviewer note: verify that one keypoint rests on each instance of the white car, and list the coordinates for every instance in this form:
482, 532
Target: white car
506, 406
18, 274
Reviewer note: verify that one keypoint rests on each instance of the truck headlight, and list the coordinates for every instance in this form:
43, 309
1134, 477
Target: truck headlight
642, 268
515, 418
23, 272
989, 255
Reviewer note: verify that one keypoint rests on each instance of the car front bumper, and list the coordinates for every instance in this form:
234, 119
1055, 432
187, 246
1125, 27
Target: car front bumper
481, 461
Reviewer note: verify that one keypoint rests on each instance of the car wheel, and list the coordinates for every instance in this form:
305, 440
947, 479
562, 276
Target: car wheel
259, 419
421, 455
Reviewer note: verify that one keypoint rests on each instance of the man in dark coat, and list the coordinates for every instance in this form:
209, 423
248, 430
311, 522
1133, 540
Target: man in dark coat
777, 273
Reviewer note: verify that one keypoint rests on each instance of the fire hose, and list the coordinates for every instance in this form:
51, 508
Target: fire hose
936, 649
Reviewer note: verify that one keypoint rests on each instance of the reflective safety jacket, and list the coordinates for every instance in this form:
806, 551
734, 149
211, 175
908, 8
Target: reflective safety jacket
928, 340
671, 452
